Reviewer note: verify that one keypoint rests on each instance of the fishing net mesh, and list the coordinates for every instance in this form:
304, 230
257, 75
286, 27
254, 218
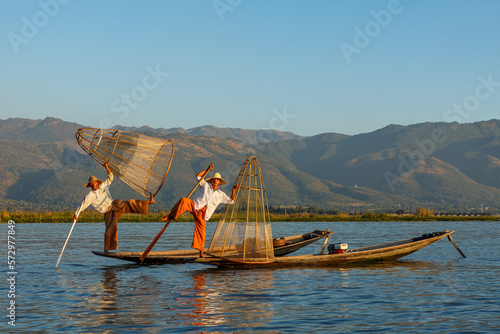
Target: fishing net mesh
244, 230
142, 162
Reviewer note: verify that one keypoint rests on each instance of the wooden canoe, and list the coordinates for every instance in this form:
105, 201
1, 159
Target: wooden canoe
285, 245
386, 251
296, 242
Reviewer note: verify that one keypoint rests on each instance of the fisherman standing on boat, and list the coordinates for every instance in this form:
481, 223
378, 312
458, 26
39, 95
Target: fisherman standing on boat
100, 198
202, 208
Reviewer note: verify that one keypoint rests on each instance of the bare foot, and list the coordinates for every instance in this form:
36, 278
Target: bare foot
164, 218
151, 199
201, 255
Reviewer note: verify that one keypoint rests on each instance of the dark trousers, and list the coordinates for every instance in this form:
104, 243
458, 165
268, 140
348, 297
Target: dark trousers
111, 218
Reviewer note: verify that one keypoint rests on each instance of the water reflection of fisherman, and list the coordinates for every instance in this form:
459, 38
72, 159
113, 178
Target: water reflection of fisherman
100, 198
202, 208
199, 301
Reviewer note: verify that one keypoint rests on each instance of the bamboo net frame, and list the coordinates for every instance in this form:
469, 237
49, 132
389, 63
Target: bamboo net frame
244, 230
142, 162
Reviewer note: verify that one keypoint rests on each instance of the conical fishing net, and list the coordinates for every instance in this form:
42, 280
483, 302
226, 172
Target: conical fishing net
244, 230
140, 161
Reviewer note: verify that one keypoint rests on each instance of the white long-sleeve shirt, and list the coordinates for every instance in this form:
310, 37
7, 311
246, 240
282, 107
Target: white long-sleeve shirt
211, 198
100, 199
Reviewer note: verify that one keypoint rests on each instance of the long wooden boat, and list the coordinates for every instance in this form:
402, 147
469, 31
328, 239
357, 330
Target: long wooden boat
386, 251
282, 246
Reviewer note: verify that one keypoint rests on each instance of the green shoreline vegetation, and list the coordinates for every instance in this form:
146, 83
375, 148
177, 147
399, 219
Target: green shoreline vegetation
95, 217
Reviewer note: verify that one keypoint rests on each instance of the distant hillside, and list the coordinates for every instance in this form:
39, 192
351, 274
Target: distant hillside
443, 166
250, 137
49, 130
439, 165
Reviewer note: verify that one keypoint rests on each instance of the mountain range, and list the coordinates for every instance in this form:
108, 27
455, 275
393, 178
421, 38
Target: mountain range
448, 167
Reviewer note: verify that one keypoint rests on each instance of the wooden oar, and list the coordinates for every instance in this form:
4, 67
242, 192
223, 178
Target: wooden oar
324, 244
151, 245
67, 238
458, 249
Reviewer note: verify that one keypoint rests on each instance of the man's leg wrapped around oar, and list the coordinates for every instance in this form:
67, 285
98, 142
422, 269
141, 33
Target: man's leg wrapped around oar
180, 207
186, 204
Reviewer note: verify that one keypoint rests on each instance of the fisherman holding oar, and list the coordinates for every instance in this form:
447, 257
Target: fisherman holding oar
202, 208
100, 198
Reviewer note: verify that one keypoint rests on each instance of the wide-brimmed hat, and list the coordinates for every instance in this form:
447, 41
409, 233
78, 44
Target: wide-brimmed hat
217, 176
92, 179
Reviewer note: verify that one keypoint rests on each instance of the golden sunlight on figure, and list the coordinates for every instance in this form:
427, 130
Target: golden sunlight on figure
203, 206
100, 198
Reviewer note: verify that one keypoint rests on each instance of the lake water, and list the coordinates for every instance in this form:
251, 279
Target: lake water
431, 291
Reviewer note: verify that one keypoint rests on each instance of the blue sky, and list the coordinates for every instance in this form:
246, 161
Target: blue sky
308, 67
